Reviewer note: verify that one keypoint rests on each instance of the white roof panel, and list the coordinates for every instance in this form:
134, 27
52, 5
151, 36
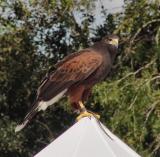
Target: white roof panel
87, 138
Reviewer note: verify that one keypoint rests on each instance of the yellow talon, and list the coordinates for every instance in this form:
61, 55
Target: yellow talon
95, 114
87, 114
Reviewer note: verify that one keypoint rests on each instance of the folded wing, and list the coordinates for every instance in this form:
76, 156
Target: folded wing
71, 70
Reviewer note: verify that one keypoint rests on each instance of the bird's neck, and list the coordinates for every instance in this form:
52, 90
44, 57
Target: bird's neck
105, 49
112, 51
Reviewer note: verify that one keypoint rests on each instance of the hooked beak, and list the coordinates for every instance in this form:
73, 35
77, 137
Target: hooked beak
115, 42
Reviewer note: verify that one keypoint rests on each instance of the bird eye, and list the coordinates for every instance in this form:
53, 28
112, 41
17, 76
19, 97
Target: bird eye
109, 39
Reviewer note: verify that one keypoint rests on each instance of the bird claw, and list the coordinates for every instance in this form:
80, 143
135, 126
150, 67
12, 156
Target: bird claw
87, 114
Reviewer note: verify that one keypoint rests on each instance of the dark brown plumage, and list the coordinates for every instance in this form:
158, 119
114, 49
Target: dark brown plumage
75, 76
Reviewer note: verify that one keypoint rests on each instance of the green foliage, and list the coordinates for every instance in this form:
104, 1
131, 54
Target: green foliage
131, 107
36, 34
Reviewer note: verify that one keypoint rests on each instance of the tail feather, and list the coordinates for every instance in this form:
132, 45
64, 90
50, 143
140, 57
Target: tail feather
28, 117
21, 126
38, 106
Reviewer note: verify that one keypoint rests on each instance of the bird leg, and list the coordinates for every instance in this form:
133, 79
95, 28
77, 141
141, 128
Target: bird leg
85, 113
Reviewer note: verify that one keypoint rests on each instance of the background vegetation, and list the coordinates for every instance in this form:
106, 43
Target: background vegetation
34, 35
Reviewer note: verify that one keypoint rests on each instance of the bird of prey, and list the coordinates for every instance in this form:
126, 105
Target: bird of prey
75, 76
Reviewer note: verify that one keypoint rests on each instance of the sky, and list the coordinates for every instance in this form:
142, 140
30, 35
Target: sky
112, 6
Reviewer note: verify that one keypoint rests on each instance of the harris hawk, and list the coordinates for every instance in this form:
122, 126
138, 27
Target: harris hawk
74, 77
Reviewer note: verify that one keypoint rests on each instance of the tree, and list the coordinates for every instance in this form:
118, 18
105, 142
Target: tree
34, 35
129, 101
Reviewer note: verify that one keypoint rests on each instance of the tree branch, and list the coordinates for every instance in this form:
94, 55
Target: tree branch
153, 106
47, 128
136, 72
140, 29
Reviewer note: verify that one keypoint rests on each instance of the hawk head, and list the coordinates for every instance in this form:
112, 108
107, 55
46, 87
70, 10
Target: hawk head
111, 40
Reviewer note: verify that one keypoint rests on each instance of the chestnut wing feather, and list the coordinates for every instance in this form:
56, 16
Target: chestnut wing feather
70, 71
